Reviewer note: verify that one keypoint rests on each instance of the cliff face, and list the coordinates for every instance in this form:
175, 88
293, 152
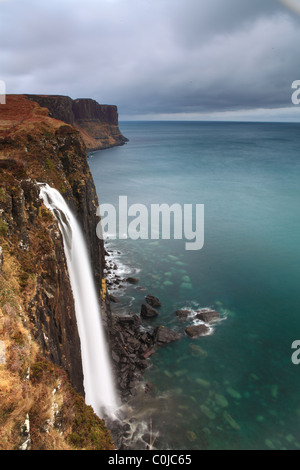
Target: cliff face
36, 148
35, 288
38, 327
97, 123
34, 239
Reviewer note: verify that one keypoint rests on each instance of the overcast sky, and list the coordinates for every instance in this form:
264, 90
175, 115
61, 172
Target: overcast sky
154, 59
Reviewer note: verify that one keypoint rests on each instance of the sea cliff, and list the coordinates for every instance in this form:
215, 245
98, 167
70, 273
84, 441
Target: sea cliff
42, 396
40, 354
98, 124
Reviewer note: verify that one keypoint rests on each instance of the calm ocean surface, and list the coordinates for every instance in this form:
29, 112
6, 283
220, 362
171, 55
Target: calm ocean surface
236, 388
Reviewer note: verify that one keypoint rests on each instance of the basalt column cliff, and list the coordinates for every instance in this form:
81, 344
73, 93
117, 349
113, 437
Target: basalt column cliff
44, 139
39, 340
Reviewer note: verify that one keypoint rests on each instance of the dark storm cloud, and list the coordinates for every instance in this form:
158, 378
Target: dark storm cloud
153, 56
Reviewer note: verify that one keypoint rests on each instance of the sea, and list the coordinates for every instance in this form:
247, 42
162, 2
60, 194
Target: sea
238, 386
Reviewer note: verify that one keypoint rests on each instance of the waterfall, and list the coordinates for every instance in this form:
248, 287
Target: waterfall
98, 381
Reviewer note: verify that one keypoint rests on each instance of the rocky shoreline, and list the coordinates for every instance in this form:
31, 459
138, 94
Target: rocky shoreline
132, 343
133, 340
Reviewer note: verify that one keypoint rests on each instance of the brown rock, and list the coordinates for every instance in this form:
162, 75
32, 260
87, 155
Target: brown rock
148, 312
196, 330
153, 301
163, 335
182, 313
207, 315
132, 280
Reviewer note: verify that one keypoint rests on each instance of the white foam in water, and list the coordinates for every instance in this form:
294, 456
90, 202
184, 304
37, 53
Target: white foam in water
98, 381
194, 310
117, 270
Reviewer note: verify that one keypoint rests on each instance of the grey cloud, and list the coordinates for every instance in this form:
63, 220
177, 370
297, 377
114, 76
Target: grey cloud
158, 56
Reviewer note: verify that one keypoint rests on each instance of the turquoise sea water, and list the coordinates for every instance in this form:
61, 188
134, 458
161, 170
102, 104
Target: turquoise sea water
236, 388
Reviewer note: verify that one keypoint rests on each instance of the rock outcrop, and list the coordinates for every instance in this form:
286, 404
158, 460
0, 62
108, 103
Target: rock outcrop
97, 123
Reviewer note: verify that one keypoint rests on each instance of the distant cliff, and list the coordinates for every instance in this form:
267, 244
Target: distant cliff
97, 123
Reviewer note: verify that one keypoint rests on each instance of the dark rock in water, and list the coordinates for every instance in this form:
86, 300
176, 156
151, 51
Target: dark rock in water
196, 330
132, 280
148, 312
153, 301
113, 299
163, 335
181, 314
208, 316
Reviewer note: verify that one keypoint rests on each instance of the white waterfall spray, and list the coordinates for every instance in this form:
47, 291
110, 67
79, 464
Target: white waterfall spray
98, 381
